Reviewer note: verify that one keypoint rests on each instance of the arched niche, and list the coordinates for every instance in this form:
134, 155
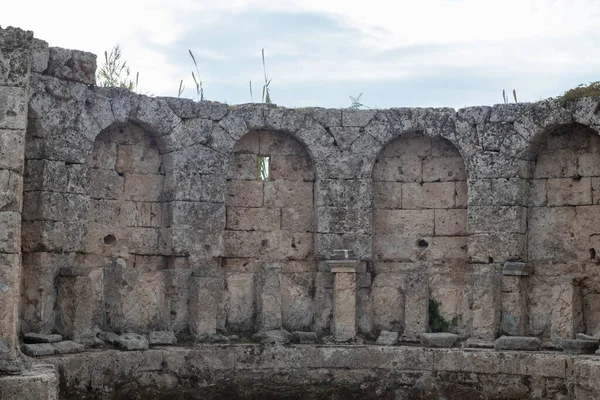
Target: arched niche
563, 239
128, 227
419, 227
269, 260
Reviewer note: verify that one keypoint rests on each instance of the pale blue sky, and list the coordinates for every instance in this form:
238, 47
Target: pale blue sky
450, 53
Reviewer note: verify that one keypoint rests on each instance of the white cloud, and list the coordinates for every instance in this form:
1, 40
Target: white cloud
389, 40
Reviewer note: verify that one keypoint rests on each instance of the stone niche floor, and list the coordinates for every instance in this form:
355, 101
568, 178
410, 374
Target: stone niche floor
250, 371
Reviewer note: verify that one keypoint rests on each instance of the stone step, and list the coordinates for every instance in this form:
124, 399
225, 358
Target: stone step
41, 338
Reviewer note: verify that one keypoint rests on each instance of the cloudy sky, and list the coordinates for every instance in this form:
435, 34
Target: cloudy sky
452, 53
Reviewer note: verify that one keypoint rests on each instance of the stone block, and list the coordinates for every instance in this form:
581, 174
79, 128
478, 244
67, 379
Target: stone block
11, 191
13, 108
275, 336
68, 347
133, 299
443, 169
137, 160
451, 222
441, 339
106, 184
516, 268
416, 308
579, 346
33, 337
288, 194
240, 305
506, 219
143, 187
139, 214
587, 164
344, 304
38, 349
191, 186
461, 198
40, 54
249, 243
245, 193
12, 149
387, 338
567, 309
388, 195
343, 220
10, 234
291, 168
388, 301
402, 168
253, 219
297, 303
298, 219
428, 195
243, 167
79, 303
556, 164
54, 206
72, 65
304, 337
413, 223
517, 343
569, 192
487, 291
496, 247
131, 342
157, 338
269, 307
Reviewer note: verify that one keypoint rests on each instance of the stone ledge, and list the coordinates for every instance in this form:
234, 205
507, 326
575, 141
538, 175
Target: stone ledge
517, 268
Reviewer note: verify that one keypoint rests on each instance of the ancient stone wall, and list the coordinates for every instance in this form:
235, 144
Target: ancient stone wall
128, 213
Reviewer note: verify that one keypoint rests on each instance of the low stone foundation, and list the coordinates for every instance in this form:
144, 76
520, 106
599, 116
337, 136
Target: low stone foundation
325, 372
40, 382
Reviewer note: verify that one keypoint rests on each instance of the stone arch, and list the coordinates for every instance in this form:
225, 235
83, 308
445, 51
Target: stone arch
269, 257
564, 232
419, 233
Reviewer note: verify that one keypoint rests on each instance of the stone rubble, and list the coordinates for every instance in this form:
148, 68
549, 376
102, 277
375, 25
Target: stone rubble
161, 338
387, 338
41, 338
517, 343
441, 339
132, 341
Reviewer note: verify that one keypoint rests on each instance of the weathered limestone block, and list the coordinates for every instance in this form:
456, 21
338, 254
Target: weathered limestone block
40, 382
72, 65
517, 343
304, 337
32, 337
10, 277
68, 347
440, 339
514, 301
12, 149
134, 299
416, 306
15, 57
567, 309
568, 191
388, 302
297, 303
269, 305
387, 338
132, 341
38, 349
487, 300
275, 336
79, 303
240, 305
161, 338
13, 108
578, 346
323, 302
344, 299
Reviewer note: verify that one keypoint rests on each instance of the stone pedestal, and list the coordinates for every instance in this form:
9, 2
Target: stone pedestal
567, 309
79, 304
416, 306
205, 296
514, 298
269, 298
344, 298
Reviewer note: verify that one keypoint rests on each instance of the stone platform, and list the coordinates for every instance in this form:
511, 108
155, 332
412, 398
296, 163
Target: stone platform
38, 383
325, 372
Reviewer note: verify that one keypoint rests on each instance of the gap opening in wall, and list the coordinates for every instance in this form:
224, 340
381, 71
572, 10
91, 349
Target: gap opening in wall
264, 163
